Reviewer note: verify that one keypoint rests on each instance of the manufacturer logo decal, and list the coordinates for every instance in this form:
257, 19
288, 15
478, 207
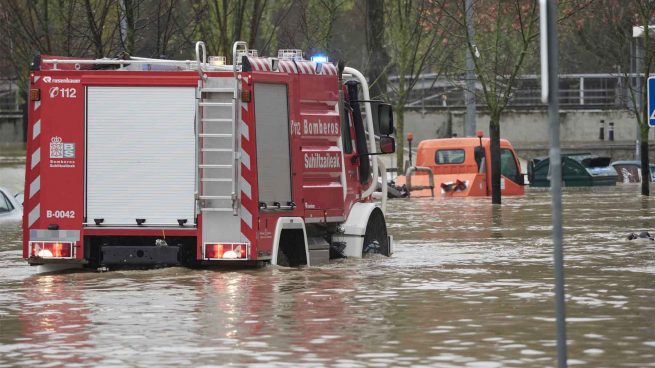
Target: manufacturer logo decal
49, 79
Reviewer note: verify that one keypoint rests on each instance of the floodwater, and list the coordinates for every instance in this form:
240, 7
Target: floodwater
470, 285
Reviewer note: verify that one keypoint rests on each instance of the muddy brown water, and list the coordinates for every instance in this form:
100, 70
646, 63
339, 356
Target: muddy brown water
470, 285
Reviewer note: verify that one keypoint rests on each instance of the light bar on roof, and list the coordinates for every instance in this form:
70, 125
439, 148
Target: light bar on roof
290, 54
320, 59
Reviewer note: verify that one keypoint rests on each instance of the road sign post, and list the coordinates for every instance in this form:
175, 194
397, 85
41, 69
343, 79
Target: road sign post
550, 94
651, 101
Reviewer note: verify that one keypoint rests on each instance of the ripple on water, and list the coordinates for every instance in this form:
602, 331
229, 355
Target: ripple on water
470, 285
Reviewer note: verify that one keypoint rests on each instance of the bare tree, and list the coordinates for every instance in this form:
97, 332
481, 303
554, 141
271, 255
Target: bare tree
222, 22
313, 24
608, 36
415, 44
378, 58
102, 27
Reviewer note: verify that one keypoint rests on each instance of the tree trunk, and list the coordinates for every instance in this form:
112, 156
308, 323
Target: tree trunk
400, 140
494, 135
257, 13
378, 57
449, 124
239, 7
96, 32
645, 169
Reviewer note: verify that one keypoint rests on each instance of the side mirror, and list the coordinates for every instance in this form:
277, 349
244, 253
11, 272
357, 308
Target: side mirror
520, 179
384, 119
531, 164
387, 145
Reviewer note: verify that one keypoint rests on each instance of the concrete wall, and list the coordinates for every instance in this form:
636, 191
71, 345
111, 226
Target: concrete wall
11, 130
528, 130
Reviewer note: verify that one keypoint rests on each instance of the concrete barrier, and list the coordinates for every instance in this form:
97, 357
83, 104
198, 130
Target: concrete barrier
11, 129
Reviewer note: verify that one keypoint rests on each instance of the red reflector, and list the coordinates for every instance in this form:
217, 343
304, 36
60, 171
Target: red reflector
226, 251
245, 96
52, 250
35, 94
214, 251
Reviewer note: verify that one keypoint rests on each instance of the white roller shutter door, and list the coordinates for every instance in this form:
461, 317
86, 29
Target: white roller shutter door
140, 155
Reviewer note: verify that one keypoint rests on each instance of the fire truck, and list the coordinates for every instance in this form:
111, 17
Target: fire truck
139, 162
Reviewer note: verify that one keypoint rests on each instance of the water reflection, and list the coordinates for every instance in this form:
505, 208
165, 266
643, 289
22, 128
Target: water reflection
470, 285
54, 321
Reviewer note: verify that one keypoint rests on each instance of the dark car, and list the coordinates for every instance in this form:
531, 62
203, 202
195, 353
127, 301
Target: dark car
578, 170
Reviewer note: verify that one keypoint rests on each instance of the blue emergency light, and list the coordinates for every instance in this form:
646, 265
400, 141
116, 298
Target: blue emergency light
320, 59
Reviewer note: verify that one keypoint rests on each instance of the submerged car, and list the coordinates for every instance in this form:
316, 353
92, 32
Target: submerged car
629, 171
578, 170
10, 208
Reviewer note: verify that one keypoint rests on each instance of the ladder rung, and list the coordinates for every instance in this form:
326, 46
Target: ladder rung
212, 89
217, 209
215, 197
223, 180
216, 149
215, 135
209, 166
216, 120
215, 104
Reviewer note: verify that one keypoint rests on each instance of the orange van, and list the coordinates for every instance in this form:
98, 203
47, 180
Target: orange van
460, 167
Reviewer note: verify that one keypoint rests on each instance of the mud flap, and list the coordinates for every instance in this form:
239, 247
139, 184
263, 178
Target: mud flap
389, 251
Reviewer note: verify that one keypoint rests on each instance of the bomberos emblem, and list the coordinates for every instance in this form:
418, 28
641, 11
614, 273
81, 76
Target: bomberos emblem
56, 148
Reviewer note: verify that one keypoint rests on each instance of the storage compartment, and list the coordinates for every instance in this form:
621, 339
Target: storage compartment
140, 155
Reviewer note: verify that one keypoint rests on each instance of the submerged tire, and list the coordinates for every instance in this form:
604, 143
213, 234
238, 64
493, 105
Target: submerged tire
375, 238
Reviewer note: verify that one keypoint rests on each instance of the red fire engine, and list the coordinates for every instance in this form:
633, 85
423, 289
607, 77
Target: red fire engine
143, 162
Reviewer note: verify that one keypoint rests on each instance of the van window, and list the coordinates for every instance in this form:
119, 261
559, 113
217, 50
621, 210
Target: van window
508, 166
450, 156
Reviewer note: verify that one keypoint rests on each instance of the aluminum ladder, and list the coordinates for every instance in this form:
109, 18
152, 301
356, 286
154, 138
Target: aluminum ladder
217, 159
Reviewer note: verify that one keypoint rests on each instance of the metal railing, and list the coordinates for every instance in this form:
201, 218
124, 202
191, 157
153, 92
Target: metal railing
9, 96
577, 91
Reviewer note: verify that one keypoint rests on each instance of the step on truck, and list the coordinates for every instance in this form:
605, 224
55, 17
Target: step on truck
138, 162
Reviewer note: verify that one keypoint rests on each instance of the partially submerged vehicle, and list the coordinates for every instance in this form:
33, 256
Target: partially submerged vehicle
11, 207
629, 171
460, 167
578, 170
137, 162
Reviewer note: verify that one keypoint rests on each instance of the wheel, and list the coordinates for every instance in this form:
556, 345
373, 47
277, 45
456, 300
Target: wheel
375, 238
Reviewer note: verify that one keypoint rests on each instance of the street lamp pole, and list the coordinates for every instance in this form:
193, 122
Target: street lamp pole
550, 94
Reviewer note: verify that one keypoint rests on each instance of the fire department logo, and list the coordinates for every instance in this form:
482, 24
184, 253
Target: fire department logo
54, 92
60, 149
